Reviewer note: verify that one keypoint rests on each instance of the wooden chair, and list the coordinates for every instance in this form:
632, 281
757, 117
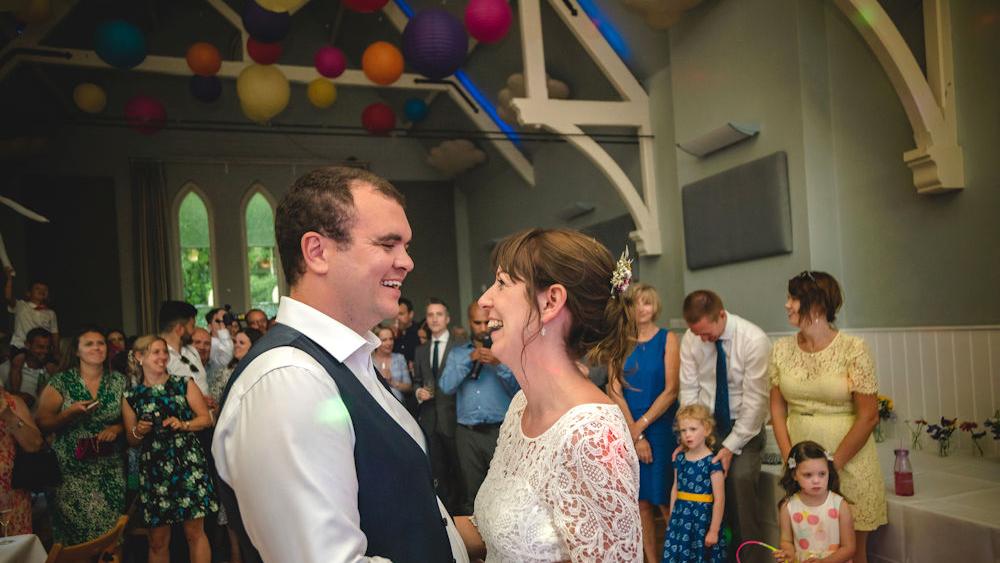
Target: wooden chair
104, 548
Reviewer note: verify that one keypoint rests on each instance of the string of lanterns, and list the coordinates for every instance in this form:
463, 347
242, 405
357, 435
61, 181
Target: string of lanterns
434, 44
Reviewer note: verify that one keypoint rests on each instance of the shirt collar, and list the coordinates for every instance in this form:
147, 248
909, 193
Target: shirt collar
730, 330
341, 341
443, 339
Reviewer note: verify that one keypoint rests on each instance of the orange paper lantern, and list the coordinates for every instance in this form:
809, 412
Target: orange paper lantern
382, 63
203, 59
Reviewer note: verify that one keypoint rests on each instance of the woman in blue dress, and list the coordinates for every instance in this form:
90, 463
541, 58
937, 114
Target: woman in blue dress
649, 402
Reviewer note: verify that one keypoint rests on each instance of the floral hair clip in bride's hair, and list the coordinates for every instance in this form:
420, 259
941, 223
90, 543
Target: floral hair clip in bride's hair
621, 277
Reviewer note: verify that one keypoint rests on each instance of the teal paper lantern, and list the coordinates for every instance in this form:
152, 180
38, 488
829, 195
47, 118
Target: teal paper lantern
120, 44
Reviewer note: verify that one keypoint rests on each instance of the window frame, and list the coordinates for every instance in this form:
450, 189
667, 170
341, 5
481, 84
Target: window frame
257, 188
176, 275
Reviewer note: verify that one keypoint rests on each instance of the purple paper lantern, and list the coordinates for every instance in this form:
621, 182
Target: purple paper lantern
206, 88
330, 61
488, 20
435, 43
264, 25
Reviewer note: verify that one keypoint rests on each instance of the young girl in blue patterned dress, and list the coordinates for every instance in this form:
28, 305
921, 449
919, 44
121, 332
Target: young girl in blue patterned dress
697, 499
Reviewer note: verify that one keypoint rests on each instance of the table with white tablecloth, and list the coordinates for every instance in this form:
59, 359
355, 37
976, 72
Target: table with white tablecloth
953, 517
22, 549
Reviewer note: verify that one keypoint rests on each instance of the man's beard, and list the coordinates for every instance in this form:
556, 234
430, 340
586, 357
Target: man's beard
186, 339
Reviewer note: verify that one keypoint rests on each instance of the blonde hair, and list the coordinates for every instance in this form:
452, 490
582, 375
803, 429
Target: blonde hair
699, 413
639, 292
142, 345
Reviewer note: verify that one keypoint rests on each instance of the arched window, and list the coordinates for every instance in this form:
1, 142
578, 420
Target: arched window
195, 253
262, 263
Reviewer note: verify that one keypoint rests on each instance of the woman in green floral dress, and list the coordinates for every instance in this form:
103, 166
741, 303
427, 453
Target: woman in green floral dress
84, 405
162, 413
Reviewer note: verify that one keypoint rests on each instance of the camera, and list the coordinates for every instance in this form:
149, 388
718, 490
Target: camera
228, 318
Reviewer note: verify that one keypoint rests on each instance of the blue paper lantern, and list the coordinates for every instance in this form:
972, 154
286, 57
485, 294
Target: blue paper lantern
206, 88
264, 25
415, 109
435, 43
120, 44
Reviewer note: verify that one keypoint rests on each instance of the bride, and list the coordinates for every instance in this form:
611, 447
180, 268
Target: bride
563, 484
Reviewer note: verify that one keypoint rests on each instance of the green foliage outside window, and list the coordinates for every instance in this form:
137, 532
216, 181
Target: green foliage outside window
195, 254
261, 256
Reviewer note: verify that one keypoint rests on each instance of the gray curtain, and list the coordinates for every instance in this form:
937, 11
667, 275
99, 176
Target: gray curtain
150, 240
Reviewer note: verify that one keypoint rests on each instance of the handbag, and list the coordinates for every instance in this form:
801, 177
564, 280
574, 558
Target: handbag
91, 448
36, 471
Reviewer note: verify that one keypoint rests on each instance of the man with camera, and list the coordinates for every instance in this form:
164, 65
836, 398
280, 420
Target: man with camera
221, 349
485, 388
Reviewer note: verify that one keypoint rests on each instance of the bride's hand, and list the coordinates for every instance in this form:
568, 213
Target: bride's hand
470, 536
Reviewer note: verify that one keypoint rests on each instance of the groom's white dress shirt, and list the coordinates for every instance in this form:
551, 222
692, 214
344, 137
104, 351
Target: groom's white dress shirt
285, 443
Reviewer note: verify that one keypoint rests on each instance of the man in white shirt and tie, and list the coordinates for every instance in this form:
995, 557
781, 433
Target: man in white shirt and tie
318, 460
724, 360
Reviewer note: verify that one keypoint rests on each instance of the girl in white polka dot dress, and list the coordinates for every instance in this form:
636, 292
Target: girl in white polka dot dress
816, 522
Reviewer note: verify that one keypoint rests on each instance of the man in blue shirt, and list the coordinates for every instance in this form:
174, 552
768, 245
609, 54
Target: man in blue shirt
485, 388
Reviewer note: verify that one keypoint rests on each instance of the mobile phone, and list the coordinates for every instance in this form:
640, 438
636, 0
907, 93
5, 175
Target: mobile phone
93, 405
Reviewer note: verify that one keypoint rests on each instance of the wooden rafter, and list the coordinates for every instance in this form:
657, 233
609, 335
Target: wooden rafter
566, 117
929, 101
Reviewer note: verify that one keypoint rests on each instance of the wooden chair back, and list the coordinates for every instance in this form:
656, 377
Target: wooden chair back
104, 548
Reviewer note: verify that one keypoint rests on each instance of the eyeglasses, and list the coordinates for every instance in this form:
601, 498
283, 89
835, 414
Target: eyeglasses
806, 275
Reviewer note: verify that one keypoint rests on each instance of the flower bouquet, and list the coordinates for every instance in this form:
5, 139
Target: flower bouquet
942, 433
971, 427
886, 411
916, 431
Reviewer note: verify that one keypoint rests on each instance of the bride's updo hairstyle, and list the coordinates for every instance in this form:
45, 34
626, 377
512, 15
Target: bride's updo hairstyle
602, 329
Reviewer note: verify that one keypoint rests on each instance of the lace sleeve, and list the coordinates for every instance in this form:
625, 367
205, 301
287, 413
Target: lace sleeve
861, 370
594, 492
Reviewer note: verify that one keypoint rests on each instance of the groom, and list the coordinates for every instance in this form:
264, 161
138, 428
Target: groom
318, 460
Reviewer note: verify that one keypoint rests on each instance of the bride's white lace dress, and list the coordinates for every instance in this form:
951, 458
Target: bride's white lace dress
571, 494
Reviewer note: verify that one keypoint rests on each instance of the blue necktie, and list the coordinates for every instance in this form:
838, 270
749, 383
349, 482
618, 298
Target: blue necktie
723, 420
434, 359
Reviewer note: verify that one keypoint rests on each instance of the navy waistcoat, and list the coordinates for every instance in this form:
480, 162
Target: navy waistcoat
396, 498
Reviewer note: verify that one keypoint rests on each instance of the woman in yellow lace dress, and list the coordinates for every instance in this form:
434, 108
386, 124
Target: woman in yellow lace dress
823, 388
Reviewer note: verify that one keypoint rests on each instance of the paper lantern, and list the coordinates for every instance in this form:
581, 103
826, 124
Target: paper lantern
415, 109
365, 6
280, 5
34, 11
330, 61
382, 63
145, 114
322, 93
378, 119
205, 88
488, 20
264, 25
264, 53
90, 98
435, 43
263, 92
203, 59
120, 44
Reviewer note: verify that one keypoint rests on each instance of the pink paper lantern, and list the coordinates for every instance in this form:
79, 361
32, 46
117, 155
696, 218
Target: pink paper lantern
330, 61
488, 20
264, 53
378, 119
145, 114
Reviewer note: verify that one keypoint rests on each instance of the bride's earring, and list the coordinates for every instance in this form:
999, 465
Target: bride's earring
543, 330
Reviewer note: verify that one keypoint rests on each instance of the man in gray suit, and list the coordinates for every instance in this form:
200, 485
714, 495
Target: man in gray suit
436, 413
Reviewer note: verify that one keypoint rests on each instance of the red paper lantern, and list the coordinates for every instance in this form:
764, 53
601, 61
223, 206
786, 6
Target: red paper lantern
264, 53
488, 20
378, 119
145, 114
365, 6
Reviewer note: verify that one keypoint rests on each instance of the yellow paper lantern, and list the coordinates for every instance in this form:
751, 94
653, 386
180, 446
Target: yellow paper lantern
263, 92
322, 93
280, 5
90, 98
34, 11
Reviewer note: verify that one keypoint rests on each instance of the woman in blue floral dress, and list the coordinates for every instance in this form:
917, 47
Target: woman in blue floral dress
162, 413
697, 500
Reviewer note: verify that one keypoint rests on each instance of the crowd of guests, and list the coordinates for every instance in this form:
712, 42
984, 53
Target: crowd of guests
526, 454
